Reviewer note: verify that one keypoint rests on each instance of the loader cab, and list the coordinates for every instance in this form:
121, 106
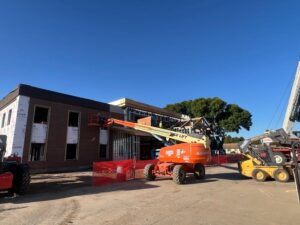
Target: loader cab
297, 133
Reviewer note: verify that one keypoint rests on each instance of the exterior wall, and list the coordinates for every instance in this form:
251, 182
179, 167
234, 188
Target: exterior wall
125, 146
59, 134
15, 131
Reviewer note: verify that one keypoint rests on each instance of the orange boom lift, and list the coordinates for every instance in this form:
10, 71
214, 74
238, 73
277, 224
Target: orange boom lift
176, 160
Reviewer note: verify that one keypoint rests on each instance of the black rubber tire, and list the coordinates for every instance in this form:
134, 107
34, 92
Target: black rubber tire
21, 179
281, 175
10, 192
239, 167
148, 172
179, 175
259, 175
279, 158
199, 172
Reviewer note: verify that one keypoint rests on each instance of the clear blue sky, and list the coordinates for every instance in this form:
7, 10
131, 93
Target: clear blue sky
157, 52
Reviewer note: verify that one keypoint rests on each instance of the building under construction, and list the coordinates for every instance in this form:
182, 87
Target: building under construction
139, 144
51, 131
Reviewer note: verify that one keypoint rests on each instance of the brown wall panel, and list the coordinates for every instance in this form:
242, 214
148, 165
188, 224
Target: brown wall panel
57, 135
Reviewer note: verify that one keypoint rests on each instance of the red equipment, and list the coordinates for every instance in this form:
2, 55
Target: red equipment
14, 176
6, 180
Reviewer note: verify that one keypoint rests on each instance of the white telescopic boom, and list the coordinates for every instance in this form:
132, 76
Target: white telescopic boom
293, 104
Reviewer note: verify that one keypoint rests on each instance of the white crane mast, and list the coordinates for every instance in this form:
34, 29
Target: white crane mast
293, 105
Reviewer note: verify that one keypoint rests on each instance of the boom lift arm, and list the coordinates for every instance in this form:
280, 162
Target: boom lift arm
168, 134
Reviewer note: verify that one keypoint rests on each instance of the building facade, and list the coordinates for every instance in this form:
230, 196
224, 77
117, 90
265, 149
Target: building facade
232, 148
50, 131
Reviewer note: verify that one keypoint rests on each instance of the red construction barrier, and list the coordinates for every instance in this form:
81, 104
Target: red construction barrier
234, 158
118, 171
112, 171
223, 159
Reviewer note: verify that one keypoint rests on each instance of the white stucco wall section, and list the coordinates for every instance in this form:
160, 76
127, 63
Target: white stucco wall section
15, 131
9, 130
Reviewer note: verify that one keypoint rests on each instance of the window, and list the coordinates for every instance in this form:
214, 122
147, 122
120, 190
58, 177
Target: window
3, 120
71, 151
37, 152
73, 119
40, 115
9, 117
103, 152
103, 138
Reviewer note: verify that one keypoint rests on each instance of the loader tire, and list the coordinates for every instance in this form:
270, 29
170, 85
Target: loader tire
21, 179
279, 158
148, 172
259, 175
239, 167
199, 172
281, 175
179, 175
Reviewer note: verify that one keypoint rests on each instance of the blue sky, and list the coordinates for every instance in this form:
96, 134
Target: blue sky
158, 52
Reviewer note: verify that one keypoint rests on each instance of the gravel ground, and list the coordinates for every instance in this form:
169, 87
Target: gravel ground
222, 198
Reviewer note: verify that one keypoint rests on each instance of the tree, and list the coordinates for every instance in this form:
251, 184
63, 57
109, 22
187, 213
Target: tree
231, 117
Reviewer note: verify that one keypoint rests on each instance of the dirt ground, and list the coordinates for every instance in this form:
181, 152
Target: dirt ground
223, 198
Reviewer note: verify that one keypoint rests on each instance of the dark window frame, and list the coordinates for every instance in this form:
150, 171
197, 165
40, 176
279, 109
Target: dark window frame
71, 119
9, 117
3, 120
32, 155
48, 123
41, 119
103, 148
76, 152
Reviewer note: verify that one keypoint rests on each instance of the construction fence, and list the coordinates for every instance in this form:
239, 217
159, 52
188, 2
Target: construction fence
123, 170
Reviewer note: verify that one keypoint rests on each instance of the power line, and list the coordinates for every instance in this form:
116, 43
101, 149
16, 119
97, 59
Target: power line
288, 87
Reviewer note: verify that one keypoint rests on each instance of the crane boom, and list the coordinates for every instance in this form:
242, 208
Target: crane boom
292, 112
168, 134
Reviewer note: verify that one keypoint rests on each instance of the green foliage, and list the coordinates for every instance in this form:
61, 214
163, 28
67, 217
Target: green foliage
229, 139
230, 117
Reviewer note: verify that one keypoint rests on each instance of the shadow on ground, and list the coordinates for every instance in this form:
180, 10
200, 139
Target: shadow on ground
45, 187
226, 176
190, 180
228, 166
234, 175
50, 188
